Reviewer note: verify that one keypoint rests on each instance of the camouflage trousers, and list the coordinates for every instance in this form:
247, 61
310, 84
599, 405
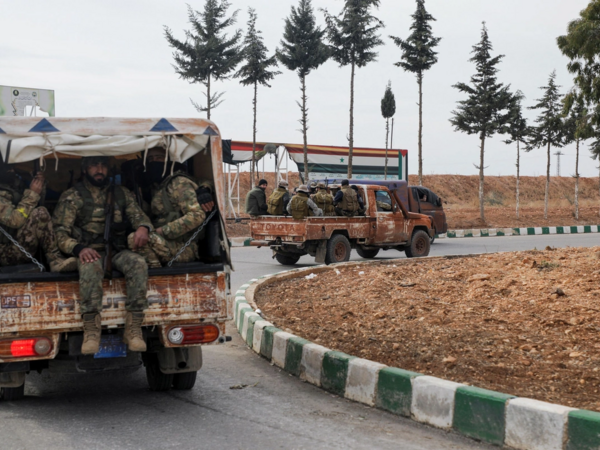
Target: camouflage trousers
36, 231
159, 251
91, 276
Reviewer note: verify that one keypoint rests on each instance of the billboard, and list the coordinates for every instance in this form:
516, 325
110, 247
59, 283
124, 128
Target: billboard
14, 100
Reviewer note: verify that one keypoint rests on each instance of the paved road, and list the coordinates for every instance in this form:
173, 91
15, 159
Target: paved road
275, 411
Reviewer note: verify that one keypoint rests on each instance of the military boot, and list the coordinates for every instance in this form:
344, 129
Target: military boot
92, 329
133, 337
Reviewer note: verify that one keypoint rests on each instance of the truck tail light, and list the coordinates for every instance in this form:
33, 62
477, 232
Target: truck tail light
23, 348
193, 334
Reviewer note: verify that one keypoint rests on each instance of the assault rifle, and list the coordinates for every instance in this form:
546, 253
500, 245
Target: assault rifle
109, 213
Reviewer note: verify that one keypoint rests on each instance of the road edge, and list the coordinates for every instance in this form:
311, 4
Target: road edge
484, 232
484, 415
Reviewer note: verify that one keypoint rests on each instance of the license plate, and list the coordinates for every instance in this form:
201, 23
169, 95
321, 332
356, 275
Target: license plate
111, 346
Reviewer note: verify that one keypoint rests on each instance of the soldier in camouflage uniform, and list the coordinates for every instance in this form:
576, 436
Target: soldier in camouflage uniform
324, 200
27, 223
79, 220
176, 211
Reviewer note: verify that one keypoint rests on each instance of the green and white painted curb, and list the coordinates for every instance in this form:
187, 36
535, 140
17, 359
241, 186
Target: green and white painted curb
485, 232
481, 414
531, 231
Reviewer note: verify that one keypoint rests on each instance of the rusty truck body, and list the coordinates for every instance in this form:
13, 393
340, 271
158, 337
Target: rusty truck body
386, 225
40, 318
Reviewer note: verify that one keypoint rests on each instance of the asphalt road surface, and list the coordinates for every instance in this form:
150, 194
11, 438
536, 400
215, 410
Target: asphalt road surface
273, 411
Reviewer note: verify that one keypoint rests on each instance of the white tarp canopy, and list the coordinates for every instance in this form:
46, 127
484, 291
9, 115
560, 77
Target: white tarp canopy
25, 139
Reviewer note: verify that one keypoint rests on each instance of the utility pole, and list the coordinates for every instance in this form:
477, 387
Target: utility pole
558, 155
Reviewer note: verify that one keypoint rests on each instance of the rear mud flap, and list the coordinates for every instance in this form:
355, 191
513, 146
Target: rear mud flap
321, 252
180, 359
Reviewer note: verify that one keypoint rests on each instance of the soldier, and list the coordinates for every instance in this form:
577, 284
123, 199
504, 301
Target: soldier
279, 199
256, 200
313, 189
30, 225
346, 201
175, 210
79, 221
301, 206
324, 200
361, 203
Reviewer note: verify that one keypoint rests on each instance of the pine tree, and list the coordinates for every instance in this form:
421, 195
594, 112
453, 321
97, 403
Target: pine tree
302, 50
577, 129
581, 45
518, 131
255, 71
353, 37
207, 53
388, 109
418, 56
550, 130
485, 111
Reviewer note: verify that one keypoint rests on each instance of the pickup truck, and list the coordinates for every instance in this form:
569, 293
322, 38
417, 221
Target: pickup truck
417, 199
40, 319
386, 225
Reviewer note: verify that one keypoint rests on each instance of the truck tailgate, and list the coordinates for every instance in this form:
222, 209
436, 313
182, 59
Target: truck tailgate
313, 228
53, 306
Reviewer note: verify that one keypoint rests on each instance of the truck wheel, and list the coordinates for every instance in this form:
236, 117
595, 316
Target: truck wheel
419, 246
287, 259
338, 249
12, 394
184, 381
157, 380
371, 253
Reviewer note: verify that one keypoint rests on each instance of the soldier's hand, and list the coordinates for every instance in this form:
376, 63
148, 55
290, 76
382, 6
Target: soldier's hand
208, 207
88, 255
160, 231
37, 184
140, 237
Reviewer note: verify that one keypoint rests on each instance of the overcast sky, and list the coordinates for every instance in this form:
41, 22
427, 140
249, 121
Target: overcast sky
110, 58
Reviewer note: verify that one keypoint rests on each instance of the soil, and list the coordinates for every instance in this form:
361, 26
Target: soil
460, 194
523, 323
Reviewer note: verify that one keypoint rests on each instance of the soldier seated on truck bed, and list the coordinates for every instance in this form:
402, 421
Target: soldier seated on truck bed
301, 206
178, 207
79, 220
256, 200
30, 225
278, 200
324, 200
346, 201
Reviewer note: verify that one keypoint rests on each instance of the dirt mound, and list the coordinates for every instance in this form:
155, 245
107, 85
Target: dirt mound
523, 323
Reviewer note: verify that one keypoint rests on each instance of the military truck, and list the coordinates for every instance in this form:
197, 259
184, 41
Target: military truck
40, 319
417, 199
386, 225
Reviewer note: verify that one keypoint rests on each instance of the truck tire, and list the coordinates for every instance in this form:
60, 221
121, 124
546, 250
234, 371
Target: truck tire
12, 394
370, 253
338, 249
288, 259
419, 245
184, 381
157, 380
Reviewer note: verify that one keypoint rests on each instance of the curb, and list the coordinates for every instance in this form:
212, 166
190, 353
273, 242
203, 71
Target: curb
484, 232
481, 414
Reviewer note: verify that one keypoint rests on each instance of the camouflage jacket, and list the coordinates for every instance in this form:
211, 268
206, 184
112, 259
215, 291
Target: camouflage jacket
184, 214
68, 210
12, 216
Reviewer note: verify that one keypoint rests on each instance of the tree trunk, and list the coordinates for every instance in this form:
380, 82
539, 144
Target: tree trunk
577, 180
546, 194
420, 144
351, 137
208, 98
387, 133
518, 175
481, 152
304, 129
254, 133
